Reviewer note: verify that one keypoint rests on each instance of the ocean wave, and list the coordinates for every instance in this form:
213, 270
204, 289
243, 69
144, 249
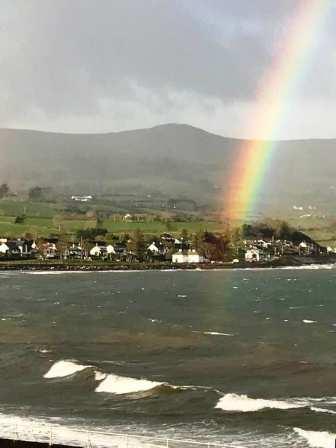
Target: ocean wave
317, 439
308, 267
231, 402
123, 385
326, 411
217, 333
115, 384
120, 385
78, 433
64, 368
243, 403
66, 432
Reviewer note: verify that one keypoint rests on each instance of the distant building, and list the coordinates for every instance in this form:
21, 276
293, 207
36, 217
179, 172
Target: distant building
128, 217
110, 250
120, 249
4, 249
167, 238
75, 251
153, 248
187, 257
306, 248
98, 250
49, 250
18, 248
252, 255
194, 257
86, 198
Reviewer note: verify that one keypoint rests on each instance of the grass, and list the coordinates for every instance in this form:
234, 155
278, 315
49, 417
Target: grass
47, 218
37, 209
42, 227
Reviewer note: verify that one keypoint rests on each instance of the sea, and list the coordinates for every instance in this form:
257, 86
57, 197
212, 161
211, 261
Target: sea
231, 358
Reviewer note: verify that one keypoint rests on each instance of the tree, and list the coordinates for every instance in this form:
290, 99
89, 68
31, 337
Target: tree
20, 219
137, 244
4, 190
90, 234
211, 246
197, 240
283, 232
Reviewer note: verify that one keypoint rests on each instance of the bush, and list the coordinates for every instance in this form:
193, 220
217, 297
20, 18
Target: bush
20, 219
91, 234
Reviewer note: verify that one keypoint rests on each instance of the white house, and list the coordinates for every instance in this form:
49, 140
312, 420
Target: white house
194, 257
264, 244
180, 257
97, 250
252, 255
305, 248
110, 250
86, 198
189, 257
128, 217
49, 250
4, 249
75, 251
153, 248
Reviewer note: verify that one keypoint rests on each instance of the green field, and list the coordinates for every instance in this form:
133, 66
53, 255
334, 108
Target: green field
48, 218
45, 219
42, 227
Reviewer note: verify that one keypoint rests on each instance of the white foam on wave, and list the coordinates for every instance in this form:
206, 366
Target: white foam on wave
243, 403
68, 432
308, 321
64, 368
119, 385
317, 439
217, 333
44, 351
58, 430
99, 376
307, 267
109, 382
326, 411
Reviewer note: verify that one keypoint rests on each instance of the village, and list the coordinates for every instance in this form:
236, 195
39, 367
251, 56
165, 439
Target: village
184, 249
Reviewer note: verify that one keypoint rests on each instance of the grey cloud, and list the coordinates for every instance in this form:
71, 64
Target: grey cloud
82, 58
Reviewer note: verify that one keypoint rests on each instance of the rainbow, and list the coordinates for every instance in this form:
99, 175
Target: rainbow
273, 100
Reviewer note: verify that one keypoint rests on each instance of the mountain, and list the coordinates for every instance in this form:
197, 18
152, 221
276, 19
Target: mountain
173, 159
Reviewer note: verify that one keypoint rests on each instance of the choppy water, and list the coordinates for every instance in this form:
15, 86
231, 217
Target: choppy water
243, 358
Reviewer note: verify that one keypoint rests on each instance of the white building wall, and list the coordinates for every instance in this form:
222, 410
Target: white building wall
252, 255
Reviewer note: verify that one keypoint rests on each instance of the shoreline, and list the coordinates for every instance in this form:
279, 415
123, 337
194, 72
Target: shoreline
82, 266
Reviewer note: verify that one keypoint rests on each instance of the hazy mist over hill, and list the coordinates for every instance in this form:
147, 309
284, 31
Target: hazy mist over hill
174, 160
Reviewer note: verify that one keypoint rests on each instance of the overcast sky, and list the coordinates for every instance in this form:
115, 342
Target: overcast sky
109, 65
